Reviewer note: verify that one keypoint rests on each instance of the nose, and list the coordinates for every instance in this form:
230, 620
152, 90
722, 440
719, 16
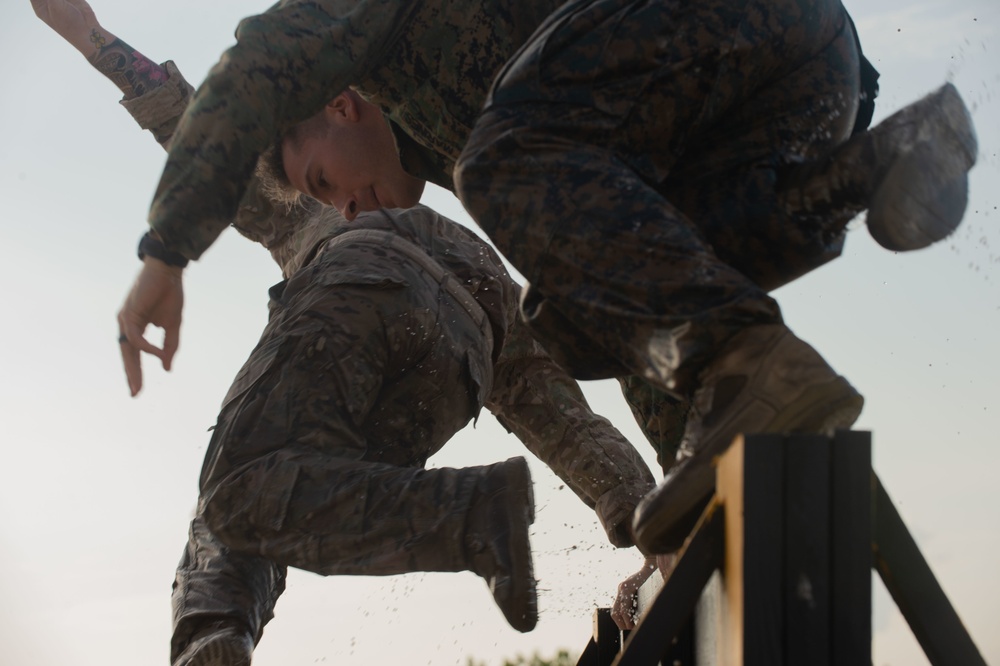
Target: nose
348, 208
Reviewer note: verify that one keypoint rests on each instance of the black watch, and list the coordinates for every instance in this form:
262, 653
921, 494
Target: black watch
149, 246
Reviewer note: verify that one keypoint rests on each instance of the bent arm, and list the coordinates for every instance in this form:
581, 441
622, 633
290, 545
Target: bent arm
287, 63
543, 406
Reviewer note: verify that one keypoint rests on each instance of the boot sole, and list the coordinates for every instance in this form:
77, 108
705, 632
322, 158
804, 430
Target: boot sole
672, 510
523, 593
925, 192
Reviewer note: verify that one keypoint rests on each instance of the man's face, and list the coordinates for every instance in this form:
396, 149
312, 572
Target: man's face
345, 157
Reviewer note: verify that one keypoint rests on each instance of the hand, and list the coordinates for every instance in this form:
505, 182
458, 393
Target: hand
74, 20
157, 298
626, 606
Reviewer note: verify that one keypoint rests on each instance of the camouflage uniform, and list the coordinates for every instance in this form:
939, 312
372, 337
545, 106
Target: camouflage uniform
638, 113
629, 162
427, 64
391, 333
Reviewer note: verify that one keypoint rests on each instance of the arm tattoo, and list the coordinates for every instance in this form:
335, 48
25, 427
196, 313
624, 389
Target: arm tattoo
132, 72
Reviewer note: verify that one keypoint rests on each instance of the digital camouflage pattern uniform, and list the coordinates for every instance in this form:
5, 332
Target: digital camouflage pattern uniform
389, 335
630, 162
638, 114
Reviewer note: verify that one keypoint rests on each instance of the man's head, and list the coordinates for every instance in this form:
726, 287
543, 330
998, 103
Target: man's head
345, 157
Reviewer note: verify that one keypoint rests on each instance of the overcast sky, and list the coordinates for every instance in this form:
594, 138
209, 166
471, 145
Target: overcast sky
96, 488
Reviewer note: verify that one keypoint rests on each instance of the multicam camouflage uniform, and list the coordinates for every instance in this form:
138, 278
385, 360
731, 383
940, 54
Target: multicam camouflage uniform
389, 335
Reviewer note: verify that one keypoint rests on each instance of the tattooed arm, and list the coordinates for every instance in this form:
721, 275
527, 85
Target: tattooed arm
74, 20
157, 295
132, 72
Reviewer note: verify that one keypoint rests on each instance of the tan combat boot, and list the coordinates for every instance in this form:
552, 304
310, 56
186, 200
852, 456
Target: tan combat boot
497, 544
221, 644
765, 380
910, 172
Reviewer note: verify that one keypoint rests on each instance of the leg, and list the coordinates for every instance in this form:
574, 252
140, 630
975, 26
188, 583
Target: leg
316, 461
611, 108
221, 601
311, 465
909, 172
567, 169
660, 415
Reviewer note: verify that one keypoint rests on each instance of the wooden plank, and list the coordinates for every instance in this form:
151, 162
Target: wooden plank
851, 553
701, 555
751, 484
916, 591
806, 580
729, 489
680, 650
708, 623
589, 655
607, 636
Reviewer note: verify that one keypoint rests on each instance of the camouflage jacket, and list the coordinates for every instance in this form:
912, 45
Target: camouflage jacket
427, 64
531, 395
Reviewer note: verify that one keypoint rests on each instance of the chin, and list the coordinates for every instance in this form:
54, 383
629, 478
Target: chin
417, 192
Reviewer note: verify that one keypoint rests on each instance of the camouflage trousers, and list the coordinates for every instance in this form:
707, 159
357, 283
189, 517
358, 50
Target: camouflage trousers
630, 160
317, 459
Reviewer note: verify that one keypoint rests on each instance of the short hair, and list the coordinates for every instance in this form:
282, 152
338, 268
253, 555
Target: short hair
271, 173
271, 163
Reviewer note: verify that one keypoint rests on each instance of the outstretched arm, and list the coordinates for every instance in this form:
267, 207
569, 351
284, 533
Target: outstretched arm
157, 295
75, 21
132, 72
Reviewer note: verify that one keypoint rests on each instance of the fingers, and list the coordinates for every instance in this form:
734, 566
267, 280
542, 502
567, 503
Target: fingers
157, 298
136, 343
133, 367
131, 349
624, 615
626, 604
171, 340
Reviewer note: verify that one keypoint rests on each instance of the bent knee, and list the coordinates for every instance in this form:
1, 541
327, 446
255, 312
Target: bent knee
249, 507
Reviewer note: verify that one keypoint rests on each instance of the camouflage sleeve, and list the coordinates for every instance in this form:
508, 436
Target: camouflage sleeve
539, 402
286, 64
159, 109
258, 217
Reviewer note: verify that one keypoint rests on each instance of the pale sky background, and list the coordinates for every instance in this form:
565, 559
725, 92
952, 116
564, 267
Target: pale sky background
96, 489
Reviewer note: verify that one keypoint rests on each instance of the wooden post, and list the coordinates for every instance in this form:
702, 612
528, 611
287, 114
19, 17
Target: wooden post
850, 548
916, 591
793, 525
793, 505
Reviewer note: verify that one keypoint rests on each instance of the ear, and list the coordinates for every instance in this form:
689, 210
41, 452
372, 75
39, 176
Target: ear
345, 107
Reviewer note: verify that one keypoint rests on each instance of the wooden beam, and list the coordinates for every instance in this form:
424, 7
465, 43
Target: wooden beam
806, 578
701, 555
850, 553
916, 591
607, 636
751, 486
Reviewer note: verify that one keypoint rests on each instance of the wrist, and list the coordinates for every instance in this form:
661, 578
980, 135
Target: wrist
91, 40
150, 246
